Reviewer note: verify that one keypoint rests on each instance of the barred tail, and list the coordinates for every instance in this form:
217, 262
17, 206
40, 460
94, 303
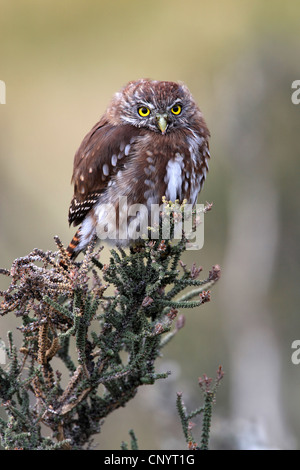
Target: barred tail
70, 251
73, 244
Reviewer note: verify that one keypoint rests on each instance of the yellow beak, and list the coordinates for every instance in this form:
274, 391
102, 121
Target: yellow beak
162, 122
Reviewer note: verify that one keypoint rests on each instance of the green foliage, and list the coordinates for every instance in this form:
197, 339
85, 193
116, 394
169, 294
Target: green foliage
209, 389
133, 442
117, 317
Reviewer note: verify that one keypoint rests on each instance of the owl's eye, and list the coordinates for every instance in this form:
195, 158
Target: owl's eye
144, 111
176, 109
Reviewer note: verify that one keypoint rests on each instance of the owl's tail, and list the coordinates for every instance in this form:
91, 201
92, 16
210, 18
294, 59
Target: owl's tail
73, 245
71, 251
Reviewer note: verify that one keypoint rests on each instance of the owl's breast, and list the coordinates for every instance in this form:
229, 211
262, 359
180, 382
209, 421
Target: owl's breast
156, 166
169, 165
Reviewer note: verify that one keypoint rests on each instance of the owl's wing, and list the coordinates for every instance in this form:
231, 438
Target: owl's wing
100, 156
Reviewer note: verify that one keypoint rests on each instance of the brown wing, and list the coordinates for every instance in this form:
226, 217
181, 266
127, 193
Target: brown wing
101, 154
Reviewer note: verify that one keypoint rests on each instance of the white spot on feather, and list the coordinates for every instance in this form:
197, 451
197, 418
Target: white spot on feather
114, 160
148, 194
105, 169
87, 231
149, 183
173, 179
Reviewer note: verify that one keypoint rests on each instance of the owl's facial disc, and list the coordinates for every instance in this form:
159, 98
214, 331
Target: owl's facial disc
162, 122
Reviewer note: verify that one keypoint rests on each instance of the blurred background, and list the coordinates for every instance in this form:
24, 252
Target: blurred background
61, 63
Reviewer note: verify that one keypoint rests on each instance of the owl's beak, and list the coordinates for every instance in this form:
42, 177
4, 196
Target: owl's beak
162, 122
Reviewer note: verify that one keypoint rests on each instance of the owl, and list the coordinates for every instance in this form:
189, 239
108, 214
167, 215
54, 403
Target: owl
151, 142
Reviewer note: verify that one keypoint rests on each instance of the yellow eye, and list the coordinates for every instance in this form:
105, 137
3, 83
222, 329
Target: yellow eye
144, 111
176, 109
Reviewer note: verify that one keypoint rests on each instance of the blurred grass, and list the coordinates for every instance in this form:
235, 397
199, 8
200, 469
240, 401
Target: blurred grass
62, 61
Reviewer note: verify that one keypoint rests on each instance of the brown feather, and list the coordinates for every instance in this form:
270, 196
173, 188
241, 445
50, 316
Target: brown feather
95, 151
125, 154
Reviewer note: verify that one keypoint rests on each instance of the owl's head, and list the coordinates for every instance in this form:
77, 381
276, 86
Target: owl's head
156, 105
